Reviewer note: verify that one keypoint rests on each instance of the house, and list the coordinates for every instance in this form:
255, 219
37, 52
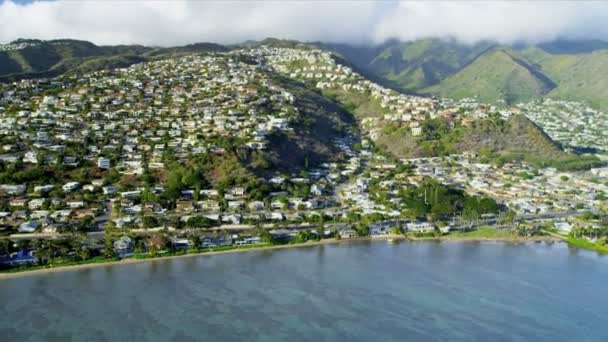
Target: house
214, 242
309, 204
237, 191
213, 217
61, 215
294, 203
563, 226
209, 205
180, 244
235, 205
20, 258
420, 227
36, 203
184, 206
209, 193
277, 216
130, 194
123, 247
43, 189
348, 233
50, 229
103, 163
249, 240
109, 190
70, 186
378, 229
277, 205
82, 213
233, 218
13, 190
4, 217
70, 161
281, 234
256, 206
28, 227
417, 131
75, 204
98, 182
316, 189
17, 202
125, 221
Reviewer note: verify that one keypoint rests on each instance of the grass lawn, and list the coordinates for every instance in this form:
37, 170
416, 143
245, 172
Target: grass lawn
587, 245
482, 233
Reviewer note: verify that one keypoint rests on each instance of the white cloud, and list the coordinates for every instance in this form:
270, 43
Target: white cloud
503, 21
175, 23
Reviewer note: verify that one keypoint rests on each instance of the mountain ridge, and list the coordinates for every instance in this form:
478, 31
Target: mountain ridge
561, 69
550, 63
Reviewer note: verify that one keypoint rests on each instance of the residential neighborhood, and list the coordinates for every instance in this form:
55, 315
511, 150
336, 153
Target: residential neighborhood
118, 150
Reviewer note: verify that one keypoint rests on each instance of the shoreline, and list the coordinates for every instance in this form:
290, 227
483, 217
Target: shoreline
333, 241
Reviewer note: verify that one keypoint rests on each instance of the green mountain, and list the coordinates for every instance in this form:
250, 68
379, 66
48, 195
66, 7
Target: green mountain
413, 65
31, 58
580, 77
572, 70
419, 64
39, 56
498, 74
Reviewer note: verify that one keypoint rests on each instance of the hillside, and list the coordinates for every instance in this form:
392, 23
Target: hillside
495, 139
408, 126
580, 77
571, 70
38, 55
29, 58
422, 63
499, 74
322, 121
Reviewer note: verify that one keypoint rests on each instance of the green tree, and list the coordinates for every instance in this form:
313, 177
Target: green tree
470, 216
84, 253
196, 240
109, 246
362, 230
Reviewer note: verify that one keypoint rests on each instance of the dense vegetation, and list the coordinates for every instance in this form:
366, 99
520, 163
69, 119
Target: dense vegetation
436, 201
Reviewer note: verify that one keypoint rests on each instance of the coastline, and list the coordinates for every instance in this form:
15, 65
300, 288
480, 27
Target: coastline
400, 238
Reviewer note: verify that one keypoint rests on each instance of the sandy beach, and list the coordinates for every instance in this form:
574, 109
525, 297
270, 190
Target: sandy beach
130, 261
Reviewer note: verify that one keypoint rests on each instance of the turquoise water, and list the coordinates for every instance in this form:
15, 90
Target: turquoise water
360, 291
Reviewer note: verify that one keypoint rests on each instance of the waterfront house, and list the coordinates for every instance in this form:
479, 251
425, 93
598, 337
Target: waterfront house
180, 244
420, 227
348, 233
21, 258
123, 247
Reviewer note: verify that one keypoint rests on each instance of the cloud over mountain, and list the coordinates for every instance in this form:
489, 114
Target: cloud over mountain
176, 22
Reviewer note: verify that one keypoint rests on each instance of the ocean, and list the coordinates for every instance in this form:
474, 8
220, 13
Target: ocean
353, 291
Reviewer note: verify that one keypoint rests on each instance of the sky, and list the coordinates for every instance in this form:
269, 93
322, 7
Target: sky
171, 23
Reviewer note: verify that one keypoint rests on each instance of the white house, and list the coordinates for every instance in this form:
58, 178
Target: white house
103, 163
422, 227
70, 186
28, 227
